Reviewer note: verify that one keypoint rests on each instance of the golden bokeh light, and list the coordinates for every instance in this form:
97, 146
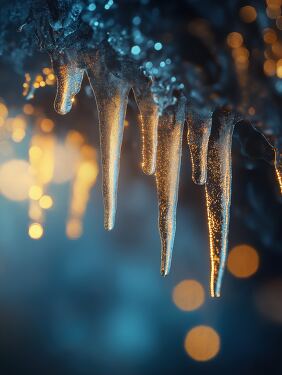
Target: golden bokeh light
279, 68
65, 155
234, 40
3, 110
269, 67
47, 125
18, 135
202, 343
243, 261
248, 14
74, 229
42, 162
28, 109
274, 3
35, 211
269, 36
35, 192
15, 179
35, 231
273, 12
46, 202
188, 295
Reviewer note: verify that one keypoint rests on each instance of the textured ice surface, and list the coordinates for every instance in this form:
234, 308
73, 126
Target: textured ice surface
118, 56
218, 192
167, 177
278, 167
199, 128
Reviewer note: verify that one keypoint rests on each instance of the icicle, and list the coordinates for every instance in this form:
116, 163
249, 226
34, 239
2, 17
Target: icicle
278, 167
111, 95
167, 176
69, 78
149, 126
199, 128
218, 192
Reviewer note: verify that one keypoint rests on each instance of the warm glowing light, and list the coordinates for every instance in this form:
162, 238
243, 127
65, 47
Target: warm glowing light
65, 155
188, 295
28, 109
279, 68
243, 261
18, 135
234, 40
51, 77
251, 111
248, 14
269, 67
202, 343
35, 152
3, 110
46, 202
273, 3
273, 12
35, 212
35, 192
35, 231
277, 49
42, 163
74, 228
269, 36
47, 125
46, 71
15, 180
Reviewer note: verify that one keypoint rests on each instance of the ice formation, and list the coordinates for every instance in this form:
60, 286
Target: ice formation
83, 40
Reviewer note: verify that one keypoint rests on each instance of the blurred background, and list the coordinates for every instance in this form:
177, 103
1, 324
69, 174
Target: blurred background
77, 300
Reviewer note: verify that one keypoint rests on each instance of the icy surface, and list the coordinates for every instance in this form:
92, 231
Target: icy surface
167, 177
218, 192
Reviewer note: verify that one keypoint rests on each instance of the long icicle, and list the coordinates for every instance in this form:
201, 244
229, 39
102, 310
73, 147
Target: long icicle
199, 128
278, 167
167, 177
69, 77
149, 118
111, 95
218, 192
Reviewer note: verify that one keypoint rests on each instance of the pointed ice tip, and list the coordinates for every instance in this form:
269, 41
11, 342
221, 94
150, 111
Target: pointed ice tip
109, 223
199, 180
215, 288
166, 262
164, 272
62, 109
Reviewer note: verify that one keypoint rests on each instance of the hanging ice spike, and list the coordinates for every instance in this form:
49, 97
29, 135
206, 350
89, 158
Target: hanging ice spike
199, 128
111, 95
209, 138
167, 176
69, 77
218, 192
149, 118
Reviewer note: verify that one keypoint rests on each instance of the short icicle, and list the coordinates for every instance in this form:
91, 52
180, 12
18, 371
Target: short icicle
199, 128
218, 192
169, 153
111, 95
149, 118
69, 77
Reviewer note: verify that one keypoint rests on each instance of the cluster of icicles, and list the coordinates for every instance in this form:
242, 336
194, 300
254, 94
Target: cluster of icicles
209, 138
